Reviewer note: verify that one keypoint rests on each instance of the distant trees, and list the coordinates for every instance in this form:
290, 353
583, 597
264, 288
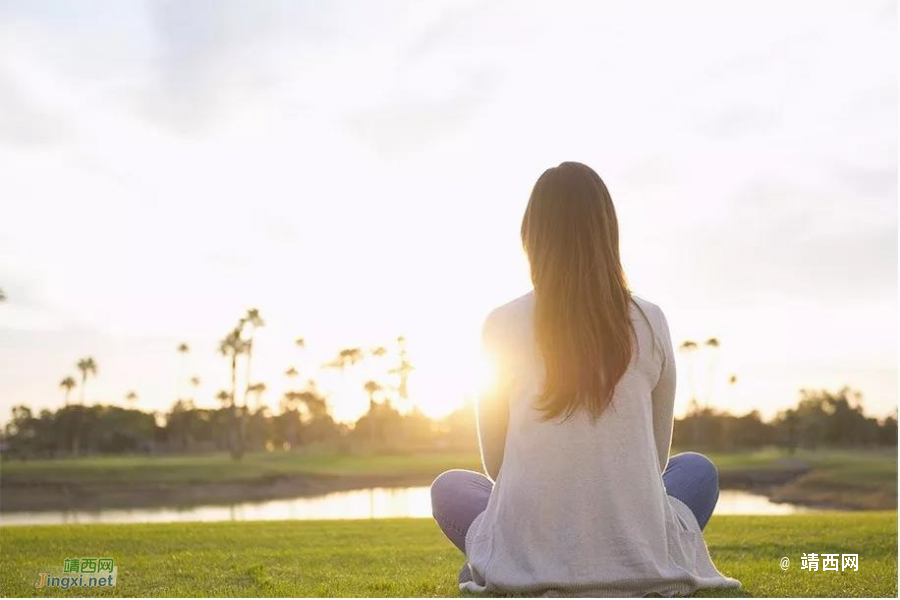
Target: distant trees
88, 367
370, 420
183, 350
709, 348
79, 429
252, 321
712, 351
833, 419
195, 383
231, 347
820, 418
239, 342
304, 416
67, 384
689, 348
257, 389
403, 370
346, 358
300, 345
72, 420
305, 413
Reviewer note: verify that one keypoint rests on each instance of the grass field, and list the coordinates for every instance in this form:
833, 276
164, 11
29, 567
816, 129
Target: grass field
851, 468
411, 558
220, 467
842, 476
859, 479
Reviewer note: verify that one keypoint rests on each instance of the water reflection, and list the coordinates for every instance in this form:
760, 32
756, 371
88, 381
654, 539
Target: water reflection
374, 503
739, 502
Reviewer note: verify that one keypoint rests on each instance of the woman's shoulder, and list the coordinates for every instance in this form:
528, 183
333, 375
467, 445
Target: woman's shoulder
524, 305
509, 317
651, 310
645, 304
514, 308
648, 312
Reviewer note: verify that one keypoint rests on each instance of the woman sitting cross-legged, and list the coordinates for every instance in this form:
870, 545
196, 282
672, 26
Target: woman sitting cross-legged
581, 496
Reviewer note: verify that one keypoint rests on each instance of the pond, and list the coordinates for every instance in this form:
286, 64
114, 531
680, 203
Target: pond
373, 503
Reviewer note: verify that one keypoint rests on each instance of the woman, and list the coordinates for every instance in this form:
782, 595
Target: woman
576, 427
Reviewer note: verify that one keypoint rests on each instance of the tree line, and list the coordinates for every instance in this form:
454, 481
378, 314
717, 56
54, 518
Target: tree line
820, 418
243, 422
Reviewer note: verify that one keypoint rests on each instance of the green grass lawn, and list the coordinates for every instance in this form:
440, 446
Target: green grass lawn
859, 468
220, 467
411, 558
844, 478
861, 479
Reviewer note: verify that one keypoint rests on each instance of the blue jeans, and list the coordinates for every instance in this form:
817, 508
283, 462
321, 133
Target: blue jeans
458, 496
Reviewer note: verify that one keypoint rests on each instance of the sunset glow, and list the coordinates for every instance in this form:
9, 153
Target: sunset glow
361, 174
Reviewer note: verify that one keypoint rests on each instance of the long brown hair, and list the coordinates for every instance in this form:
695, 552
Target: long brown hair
582, 323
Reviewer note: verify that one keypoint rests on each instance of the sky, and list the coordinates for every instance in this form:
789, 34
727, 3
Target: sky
358, 171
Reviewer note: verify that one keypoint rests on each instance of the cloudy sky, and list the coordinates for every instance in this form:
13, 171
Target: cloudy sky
358, 170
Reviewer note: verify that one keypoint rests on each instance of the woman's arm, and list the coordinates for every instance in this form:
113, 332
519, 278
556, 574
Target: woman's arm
663, 395
492, 411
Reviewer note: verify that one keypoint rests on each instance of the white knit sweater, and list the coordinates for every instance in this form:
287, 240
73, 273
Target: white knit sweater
581, 508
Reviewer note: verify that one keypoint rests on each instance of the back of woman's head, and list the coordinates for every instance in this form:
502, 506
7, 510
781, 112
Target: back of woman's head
582, 323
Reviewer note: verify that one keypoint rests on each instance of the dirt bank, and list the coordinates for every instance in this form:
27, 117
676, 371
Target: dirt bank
18, 497
792, 481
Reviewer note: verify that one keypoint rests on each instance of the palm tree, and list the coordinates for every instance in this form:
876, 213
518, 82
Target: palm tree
372, 388
88, 367
345, 359
183, 349
227, 430
348, 357
291, 373
376, 368
131, 397
712, 344
403, 370
254, 321
690, 347
257, 389
231, 347
195, 383
732, 384
300, 344
67, 384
